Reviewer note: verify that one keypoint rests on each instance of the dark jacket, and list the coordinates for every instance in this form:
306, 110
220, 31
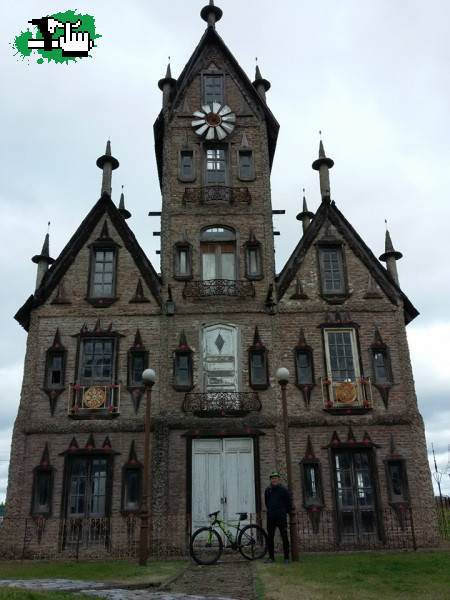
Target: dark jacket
278, 501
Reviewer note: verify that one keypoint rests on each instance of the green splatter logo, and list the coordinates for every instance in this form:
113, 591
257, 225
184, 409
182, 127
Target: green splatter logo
61, 37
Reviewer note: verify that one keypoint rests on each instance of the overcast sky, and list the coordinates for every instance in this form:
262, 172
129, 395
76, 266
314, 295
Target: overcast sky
373, 76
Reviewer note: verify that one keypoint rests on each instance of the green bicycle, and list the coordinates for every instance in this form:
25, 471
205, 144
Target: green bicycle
206, 544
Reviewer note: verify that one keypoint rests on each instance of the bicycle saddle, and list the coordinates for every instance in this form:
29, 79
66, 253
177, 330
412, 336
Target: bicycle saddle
242, 516
214, 514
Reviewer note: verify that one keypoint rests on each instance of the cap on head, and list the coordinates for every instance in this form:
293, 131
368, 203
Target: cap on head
274, 474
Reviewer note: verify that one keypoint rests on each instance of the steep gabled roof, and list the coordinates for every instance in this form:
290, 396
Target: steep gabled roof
57, 271
192, 67
329, 211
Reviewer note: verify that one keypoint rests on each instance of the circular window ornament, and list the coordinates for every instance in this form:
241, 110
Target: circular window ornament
214, 121
94, 397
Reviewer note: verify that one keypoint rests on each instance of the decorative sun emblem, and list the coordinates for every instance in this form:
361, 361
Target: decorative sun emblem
214, 120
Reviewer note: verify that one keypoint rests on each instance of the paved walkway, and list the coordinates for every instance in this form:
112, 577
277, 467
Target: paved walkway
227, 580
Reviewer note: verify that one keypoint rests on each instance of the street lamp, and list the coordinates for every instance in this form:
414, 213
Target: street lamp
283, 378
149, 378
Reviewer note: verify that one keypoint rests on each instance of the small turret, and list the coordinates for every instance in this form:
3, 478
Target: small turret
108, 163
211, 14
323, 164
123, 211
262, 85
390, 257
167, 85
305, 216
43, 260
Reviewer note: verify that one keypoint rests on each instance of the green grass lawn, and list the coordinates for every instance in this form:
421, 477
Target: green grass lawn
120, 571
406, 576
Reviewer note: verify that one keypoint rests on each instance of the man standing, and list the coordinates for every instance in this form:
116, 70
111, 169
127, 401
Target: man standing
278, 504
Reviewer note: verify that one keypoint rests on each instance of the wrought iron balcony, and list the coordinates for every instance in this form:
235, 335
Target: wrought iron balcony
86, 400
347, 396
216, 194
218, 287
221, 404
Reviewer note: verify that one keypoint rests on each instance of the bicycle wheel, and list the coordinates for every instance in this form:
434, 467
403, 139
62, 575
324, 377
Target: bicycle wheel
206, 552
252, 542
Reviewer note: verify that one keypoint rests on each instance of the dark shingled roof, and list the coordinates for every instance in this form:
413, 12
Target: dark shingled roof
211, 37
57, 271
328, 210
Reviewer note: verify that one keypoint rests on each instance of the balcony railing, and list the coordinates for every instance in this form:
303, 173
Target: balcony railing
347, 395
221, 404
94, 399
218, 287
216, 194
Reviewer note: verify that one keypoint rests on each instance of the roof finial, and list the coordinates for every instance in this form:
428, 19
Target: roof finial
108, 163
390, 256
123, 211
305, 216
43, 260
211, 14
261, 84
323, 164
166, 85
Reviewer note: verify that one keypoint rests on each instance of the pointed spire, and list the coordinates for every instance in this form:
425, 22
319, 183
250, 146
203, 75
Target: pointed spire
138, 340
139, 293
90, 444
167, 83
309, 452
305, 216
182, 342
132, 456
211, 14
257, 339
261, 84
123, 211
43, 260
108, 163
45, 458
104, 234
60, 296
373, 289
390, 256
323, 164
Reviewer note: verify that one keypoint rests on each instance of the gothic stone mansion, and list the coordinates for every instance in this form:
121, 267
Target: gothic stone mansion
215, 325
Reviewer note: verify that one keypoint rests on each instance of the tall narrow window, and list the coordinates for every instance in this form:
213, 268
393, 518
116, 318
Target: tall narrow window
332, 272
88, 480
381, 367
215, 165
341, 353
253, 261
220, 359
245, 164
183, 263
258, 364
131, 491
213, 89
186, 167
102, 284
55, 369
303, 366
42, 491
397, 481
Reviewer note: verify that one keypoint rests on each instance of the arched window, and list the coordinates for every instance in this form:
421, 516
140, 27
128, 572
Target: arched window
218, 250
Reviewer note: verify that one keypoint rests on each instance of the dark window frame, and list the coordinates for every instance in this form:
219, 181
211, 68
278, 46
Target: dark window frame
132, 354
101, 337
126, 469
339, 295
215, 146
177, 384
383, 350
35, 511
396, 499
87, 455
254, 351
242, 152
304, 350
102, 301
253, 246
178, 249
193, 175
309, 501
213, 73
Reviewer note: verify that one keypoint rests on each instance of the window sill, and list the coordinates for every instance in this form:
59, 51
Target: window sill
85, 414
336, 298
346, 410
101, 302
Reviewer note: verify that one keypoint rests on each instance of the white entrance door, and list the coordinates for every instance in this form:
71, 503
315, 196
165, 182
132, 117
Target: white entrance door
222, 479
219, 358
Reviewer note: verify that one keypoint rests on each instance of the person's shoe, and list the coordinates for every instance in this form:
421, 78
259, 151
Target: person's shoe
286, 561
269, 561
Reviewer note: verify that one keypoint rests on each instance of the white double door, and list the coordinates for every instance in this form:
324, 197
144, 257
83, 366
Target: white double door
222, 479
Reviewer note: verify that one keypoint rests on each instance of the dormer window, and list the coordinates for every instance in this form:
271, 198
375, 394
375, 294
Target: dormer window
333, 279
102, 285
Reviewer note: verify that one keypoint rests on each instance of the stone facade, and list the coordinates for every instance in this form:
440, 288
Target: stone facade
54, 429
